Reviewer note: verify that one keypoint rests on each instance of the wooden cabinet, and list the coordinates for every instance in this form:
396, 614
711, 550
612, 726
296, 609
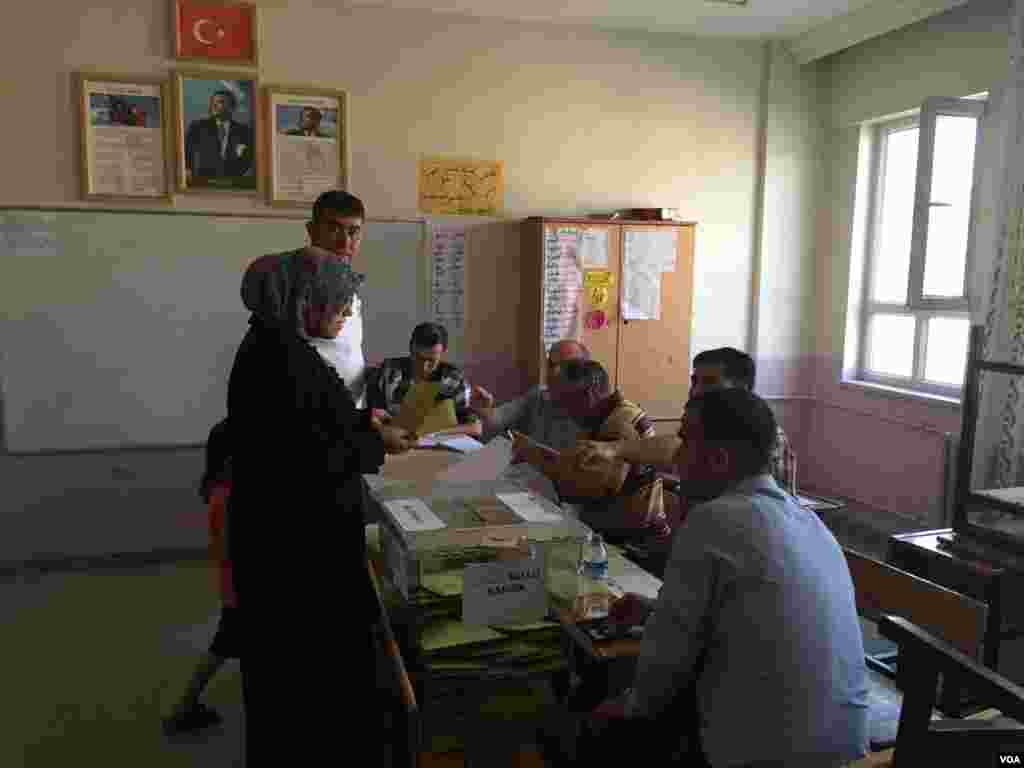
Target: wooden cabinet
648, 360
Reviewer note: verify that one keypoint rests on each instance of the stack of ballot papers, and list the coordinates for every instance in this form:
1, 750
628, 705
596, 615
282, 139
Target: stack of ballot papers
449, 648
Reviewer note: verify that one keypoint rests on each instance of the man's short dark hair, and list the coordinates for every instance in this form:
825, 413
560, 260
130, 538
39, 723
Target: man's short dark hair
737, 366
588, 373
229, 96
342, 203
314, 112
741, 418
426, 335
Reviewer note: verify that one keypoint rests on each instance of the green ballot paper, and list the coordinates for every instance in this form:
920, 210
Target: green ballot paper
421, 412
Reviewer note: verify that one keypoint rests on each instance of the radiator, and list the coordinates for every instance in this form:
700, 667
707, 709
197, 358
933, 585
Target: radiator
950, 454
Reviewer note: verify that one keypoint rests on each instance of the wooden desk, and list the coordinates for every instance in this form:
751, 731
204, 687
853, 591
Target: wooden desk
985, 580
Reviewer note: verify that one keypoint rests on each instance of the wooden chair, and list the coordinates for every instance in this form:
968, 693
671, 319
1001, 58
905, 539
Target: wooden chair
406, 733
978, 740
881, 589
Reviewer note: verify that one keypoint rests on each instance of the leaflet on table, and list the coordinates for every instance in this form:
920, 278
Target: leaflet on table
414, 515
528, 508
460, 443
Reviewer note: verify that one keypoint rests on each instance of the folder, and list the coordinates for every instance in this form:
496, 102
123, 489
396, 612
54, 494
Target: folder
421, 412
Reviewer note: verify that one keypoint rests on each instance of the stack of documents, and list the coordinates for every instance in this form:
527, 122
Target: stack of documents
451, 649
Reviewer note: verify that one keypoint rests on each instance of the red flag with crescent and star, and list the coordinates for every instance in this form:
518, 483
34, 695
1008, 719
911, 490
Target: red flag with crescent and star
216, 31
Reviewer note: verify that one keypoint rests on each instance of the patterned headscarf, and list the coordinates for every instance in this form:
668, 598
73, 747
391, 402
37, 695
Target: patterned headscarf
277, 287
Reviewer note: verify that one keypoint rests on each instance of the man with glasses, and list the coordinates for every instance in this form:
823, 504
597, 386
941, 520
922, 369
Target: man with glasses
335, 232
534, 414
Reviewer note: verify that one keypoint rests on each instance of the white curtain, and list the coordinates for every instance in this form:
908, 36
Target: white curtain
996, 287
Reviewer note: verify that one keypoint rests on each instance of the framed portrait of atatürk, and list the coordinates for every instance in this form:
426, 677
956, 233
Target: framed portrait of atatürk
217, 129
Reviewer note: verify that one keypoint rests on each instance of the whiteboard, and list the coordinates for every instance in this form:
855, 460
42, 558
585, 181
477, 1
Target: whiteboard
119, 329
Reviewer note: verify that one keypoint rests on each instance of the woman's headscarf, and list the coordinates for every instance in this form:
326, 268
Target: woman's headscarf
278, 287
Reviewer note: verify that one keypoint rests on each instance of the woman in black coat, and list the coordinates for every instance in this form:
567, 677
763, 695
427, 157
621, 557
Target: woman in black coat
296, 539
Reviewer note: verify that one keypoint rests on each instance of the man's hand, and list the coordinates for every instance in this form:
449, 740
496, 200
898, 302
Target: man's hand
396, 439
591, 454
630, 610
522, 448
480, 399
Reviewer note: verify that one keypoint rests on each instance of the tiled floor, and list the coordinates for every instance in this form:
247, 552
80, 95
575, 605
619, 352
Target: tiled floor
94, 659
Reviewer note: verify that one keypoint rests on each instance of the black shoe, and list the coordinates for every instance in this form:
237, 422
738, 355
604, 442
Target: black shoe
194, 719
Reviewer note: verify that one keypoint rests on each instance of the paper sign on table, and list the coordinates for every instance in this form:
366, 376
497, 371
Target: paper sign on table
528, 508
504, 592
414, 515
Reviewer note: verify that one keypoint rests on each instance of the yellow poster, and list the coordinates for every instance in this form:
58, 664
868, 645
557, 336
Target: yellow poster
598, 283
449, 186
421, 412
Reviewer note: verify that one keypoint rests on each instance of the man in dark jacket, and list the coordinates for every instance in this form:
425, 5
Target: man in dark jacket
296, 539
218, 146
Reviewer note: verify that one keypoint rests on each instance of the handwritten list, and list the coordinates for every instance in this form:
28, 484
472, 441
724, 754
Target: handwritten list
563, 284
448, 276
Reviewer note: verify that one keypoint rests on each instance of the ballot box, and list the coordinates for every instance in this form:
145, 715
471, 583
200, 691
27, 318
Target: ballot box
430, 532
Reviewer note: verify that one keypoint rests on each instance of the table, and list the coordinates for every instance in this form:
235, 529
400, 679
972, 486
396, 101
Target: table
989, 580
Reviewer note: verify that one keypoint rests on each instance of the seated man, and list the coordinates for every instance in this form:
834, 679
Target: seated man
388, 385
534, 414
618, 500
724, 367
756, 623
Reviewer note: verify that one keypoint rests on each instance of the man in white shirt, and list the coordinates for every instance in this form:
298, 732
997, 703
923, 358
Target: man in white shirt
335, 232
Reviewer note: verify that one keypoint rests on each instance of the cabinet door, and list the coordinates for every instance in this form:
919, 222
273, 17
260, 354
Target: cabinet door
654, 354
572, 252
603, 342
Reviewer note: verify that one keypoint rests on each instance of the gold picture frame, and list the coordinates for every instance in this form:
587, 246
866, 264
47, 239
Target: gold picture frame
211, 31
307, 147
233, 162
124, 136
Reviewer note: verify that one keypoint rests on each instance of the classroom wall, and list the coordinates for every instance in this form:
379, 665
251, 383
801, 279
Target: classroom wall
885, 451
783, 329
584, 120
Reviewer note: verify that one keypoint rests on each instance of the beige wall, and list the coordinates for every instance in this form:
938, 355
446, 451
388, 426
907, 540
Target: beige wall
584, 121
885, 451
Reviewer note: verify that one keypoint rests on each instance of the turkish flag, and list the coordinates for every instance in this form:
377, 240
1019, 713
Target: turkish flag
216, 31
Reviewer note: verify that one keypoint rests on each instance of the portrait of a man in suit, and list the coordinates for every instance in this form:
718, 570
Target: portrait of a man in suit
309, 124
219, 147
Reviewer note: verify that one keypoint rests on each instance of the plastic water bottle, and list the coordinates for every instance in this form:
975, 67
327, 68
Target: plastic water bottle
592, 597
594, 559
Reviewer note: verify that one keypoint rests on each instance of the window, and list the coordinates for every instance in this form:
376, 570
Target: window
914, 322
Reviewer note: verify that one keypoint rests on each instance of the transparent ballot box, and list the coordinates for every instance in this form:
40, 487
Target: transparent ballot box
430, 532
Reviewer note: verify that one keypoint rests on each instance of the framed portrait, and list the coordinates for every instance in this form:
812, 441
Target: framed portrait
219, 31
124, 136
217, 131
308, 146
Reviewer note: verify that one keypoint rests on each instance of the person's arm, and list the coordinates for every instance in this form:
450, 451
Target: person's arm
675, 633
659, 450
497, 419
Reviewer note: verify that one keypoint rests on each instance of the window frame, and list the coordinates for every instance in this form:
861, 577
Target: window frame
916, 305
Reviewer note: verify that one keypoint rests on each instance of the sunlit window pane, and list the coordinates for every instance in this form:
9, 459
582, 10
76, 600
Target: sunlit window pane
891, 345
891, 263
947, 350
952, 173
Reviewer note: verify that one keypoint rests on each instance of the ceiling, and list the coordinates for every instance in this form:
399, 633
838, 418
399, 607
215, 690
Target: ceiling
811, 25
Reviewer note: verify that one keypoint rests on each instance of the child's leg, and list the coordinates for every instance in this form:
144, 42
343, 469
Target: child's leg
207, 667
